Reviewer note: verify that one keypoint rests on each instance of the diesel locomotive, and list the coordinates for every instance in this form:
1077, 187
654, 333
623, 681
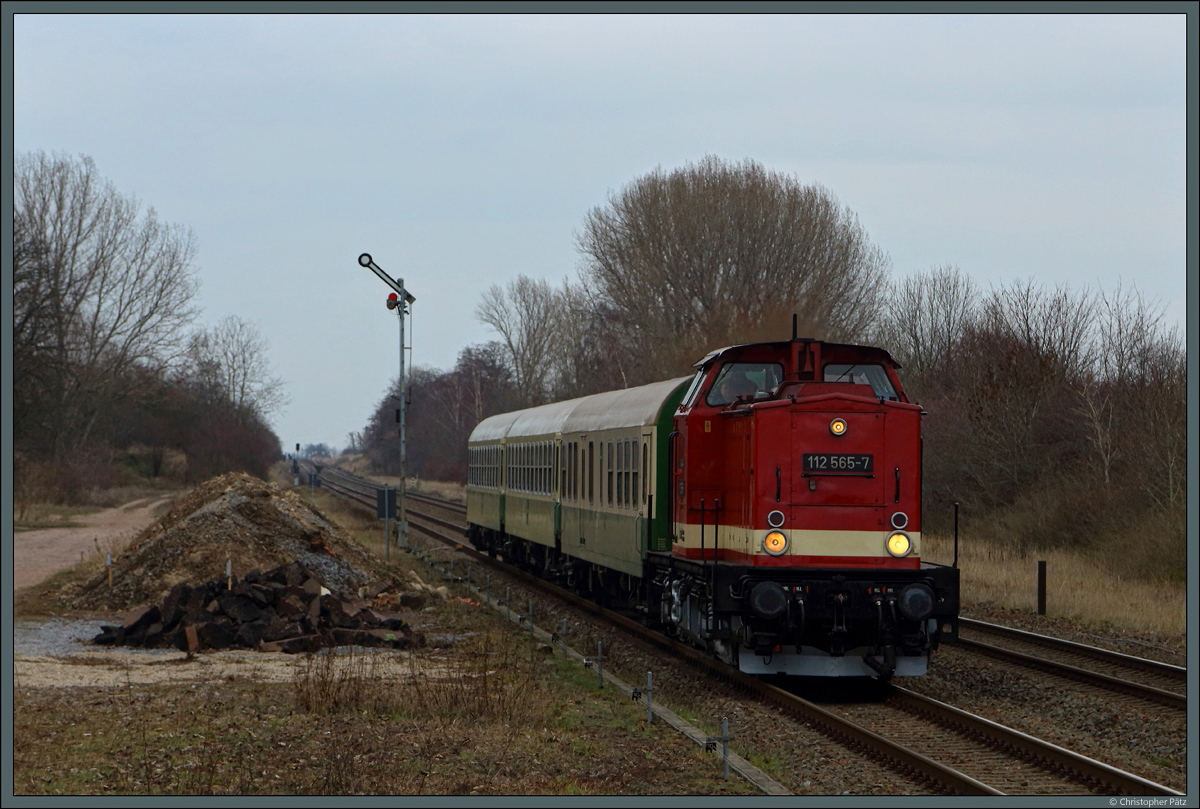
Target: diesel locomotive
767, 509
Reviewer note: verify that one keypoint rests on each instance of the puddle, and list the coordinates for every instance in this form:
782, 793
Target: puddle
60, 637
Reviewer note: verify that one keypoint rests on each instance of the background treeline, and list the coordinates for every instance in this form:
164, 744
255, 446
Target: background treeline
1056, 416
112, 383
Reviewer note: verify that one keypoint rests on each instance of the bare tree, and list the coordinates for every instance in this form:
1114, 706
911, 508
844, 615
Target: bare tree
525, 314
232, 358
717, 253
929, 314
103, 289
589, 355
1139, 378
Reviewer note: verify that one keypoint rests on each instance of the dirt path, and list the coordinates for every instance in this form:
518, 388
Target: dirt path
40, 553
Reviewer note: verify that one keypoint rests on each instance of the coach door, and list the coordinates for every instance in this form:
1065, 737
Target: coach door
642, 488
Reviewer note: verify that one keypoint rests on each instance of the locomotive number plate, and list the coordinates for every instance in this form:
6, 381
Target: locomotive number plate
846, 464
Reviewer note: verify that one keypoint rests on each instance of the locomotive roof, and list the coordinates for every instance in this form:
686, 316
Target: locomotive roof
712, 355
630, 407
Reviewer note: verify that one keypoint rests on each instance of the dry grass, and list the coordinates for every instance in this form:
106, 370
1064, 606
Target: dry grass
1077, 588
491, 683
31, 515
494, 714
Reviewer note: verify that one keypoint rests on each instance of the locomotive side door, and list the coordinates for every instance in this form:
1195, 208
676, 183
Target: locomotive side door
676, 452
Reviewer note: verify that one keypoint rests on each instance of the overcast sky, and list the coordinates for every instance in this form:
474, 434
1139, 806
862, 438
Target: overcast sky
464, 150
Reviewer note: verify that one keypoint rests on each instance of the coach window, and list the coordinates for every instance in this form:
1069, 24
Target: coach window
591, 471
622, 474
625, 466
633, 473
611, 458
600, 473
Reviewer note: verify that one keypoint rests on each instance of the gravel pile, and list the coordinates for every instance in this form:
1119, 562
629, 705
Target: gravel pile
224, 528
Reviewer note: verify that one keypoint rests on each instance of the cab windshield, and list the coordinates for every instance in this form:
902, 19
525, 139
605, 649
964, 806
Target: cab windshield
750, 379
873, 375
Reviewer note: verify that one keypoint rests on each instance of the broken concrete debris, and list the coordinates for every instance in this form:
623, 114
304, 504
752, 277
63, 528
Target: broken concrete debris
285, 609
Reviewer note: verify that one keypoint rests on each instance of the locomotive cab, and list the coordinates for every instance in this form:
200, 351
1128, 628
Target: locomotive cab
796, 504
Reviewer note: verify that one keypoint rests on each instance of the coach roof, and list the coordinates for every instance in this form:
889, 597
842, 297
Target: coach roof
631, 407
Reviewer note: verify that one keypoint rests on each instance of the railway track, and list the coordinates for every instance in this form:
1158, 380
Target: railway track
1148, 680
943, 747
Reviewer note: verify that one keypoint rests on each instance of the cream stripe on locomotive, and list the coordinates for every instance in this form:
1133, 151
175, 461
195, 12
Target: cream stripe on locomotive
736, 539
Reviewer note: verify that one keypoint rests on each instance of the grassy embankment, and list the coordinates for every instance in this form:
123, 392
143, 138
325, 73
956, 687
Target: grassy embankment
1078, 587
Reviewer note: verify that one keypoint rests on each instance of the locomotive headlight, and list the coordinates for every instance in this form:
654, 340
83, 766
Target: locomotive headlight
838, 426
898, 544
775, 543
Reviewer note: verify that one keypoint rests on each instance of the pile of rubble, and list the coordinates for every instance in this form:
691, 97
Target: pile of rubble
287, 609
226, 527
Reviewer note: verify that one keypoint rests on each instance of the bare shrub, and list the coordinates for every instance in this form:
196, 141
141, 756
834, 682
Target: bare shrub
484, 685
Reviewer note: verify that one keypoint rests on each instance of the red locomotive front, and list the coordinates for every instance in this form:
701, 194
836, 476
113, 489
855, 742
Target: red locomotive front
796, 501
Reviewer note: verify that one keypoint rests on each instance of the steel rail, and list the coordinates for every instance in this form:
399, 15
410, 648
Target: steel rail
1168, 670
1118, 684
1094, 678
1109, 779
